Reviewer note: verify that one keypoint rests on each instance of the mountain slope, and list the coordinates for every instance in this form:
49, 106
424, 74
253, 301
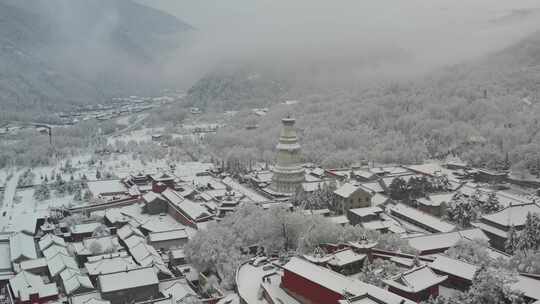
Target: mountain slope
484, 111
59, 53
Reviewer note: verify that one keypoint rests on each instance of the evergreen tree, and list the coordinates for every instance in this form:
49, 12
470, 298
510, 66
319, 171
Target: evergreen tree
491, 205
87, 195
529, 238
42, 192
398, 188
461, 211
511, 243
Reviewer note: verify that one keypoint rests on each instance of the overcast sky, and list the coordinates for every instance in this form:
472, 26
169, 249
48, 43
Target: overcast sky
433, 32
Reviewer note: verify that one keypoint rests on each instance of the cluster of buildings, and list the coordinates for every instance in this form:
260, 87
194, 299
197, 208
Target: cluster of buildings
127, 245
119, 106
127, 254
331, 274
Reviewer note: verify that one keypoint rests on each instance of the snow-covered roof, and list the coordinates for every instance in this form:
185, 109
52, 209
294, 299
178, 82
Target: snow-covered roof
60, 262
115, 215
454, 267
127, 230
85, 228
96, 301
436, 199
105, 265
22, 246
127, 279
422, 217
5, 255
322, 212
33, 264
364, 174
174, 234
76, 283
372, 187
513, 215
50, 239
145, 254
366, 211
67, 273
340, 219
445, 240
377, 225
340, 284
106, 187
134, 240
416, 279
52, 250
191, 209
178, 253
25, 284
179, 289
249, 193
92, 297
345, 257
431, 169
379, 199
529, 286
151, 196
346, 190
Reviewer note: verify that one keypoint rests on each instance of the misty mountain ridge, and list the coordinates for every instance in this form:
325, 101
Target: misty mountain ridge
55, 54
513, 68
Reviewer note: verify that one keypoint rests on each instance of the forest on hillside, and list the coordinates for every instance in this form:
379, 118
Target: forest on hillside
486, 112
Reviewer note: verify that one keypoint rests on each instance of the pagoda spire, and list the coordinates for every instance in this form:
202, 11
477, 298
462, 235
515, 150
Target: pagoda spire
288, 171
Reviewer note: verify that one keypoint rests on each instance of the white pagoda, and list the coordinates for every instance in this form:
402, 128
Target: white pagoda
288, 173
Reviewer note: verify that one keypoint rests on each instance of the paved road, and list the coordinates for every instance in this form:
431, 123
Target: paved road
9, 195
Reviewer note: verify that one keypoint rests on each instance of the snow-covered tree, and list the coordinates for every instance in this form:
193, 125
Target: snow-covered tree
42, 192
471, 251
95, 247
529, 237
491, 205
512, 240
378, 270
462, 211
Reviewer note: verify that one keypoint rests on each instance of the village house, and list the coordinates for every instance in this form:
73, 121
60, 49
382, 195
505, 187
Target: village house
22, 247
185, 211
80, 231
460, 274
497, 225
417, 284
350, 196
312, 284
28, 288
109, 263
346, 261
440, 242
434, 204
154, 203
369, 218
420, 219
166, 240
129, 285
37, 266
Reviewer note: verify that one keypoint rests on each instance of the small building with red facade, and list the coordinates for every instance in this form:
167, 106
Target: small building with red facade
417, 284
312, 284
460, 274
30, 288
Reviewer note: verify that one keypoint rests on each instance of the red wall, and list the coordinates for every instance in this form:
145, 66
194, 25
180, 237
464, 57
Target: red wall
418, 297
306, 291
